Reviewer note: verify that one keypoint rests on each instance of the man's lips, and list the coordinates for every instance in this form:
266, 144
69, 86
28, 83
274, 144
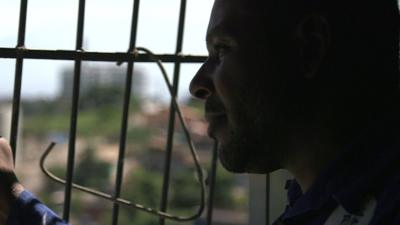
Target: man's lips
215, 120
211, 116
215, 114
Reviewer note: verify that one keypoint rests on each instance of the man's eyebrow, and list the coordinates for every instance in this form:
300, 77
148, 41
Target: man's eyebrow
219, 35
216, 32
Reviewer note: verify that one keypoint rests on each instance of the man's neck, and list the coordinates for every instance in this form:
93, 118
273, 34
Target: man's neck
307, 168
311, 153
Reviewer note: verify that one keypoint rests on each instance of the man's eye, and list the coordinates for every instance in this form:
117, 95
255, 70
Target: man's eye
221, 50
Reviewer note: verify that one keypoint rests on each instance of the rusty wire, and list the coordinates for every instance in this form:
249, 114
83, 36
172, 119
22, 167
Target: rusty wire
128, 203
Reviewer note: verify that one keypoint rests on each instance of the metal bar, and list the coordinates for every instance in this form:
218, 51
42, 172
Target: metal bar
95, 56
22, 23
257, 199
134, 24
212, 178
125, 114
74, 113
18, 79
171, 125
122, 144
267, 198
16, 107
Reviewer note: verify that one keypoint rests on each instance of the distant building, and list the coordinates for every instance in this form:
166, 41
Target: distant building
98, 77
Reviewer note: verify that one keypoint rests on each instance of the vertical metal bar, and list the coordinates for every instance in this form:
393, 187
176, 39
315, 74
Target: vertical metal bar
212, 178
18, 78
125, 113
171, 125
22, 23
258, 199
134, 24
267, 198
74, 113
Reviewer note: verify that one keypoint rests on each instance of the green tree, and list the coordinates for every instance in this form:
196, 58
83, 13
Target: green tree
91, 171
144, 187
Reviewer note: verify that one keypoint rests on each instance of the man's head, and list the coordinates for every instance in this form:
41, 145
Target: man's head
281, 73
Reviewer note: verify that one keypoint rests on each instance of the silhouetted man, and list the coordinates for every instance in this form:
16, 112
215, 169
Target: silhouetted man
310, 86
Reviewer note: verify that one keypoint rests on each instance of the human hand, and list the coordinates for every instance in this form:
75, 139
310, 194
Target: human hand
10, 188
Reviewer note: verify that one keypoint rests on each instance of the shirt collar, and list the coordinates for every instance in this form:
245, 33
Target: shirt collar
351, 178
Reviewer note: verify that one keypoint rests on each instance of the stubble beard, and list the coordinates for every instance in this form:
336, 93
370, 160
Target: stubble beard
247, 147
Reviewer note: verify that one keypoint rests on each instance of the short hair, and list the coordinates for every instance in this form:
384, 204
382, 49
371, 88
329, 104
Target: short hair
371, 19
365, 33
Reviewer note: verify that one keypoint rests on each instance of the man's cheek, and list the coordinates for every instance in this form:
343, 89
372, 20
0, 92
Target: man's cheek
231, 76
224, 86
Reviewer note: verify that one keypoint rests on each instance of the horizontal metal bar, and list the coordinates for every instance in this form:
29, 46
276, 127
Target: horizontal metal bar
95, 56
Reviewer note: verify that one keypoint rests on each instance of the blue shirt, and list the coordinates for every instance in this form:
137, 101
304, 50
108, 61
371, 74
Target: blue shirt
368, 171
28, 210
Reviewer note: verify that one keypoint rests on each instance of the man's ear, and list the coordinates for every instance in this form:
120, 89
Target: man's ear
313, 34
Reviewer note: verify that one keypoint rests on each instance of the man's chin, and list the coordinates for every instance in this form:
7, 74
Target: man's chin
231, 160
239, 161
232, 167
242, 167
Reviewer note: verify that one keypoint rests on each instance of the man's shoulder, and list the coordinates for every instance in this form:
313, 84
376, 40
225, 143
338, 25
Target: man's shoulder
388, 201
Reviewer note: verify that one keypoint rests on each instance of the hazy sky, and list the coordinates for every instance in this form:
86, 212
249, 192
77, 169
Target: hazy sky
51, 24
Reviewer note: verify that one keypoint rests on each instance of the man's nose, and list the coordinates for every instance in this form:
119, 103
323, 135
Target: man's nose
202, 85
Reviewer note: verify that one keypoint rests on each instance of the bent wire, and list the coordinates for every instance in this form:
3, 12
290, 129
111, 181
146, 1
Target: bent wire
122, 201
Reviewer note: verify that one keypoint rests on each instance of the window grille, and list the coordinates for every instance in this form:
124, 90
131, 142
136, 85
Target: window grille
20, 52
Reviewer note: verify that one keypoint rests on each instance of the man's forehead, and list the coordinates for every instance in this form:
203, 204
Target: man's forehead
241, 6
230, 15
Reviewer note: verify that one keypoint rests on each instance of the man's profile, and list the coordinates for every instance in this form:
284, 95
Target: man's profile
311, 86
